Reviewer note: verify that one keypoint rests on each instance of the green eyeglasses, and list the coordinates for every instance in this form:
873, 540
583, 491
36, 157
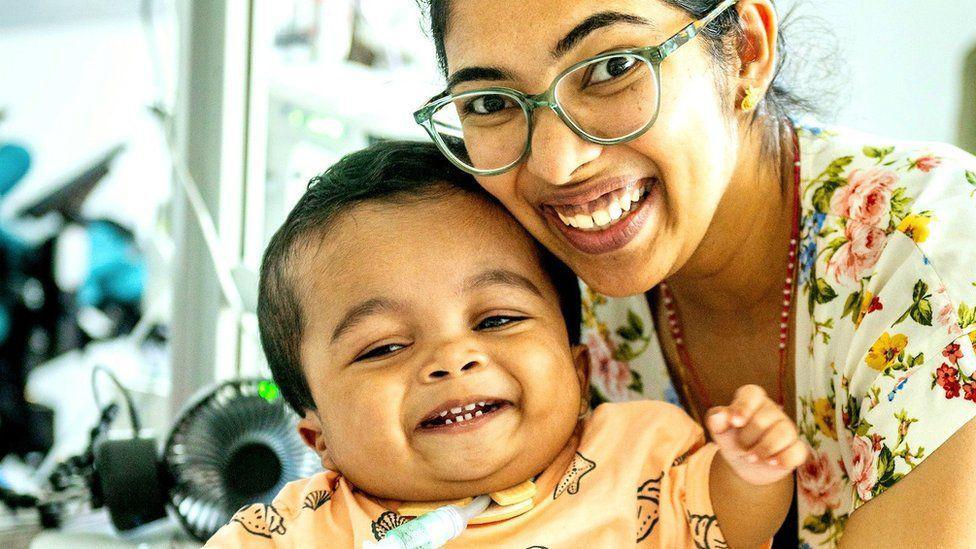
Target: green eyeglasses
608, 99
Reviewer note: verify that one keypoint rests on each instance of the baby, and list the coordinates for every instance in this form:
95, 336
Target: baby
430, 347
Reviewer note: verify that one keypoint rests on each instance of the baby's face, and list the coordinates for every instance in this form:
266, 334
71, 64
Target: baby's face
435, 350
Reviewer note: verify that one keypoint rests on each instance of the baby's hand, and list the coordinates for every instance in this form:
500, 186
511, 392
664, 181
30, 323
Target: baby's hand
757, 439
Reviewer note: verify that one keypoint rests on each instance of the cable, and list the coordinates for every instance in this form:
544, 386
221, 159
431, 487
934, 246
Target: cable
133, 413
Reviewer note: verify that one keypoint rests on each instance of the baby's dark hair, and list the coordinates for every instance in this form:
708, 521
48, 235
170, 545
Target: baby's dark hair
391, 172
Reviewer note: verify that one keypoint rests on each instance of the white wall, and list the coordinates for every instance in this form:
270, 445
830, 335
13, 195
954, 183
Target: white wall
900, 71
73, 85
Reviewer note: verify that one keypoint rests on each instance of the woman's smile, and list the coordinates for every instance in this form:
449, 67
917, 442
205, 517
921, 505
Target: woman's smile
609, 220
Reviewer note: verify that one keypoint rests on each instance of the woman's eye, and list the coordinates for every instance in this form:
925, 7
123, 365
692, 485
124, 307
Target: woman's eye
499, 321
488, 104
380, 351
610, 68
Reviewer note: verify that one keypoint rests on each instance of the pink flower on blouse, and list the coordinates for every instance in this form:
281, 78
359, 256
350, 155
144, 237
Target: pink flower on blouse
610, 375
866, 197
860, 252
947, 319
947, 313
818, 484
862, 473
927, 163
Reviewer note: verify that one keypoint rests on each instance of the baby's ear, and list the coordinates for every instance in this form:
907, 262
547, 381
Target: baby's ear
581, 360
310, 429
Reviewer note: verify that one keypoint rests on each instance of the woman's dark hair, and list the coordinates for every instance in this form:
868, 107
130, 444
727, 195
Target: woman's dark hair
723, 38
391, 172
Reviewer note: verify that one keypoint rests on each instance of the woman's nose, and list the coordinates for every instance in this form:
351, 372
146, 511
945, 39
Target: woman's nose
557, 153
453, 360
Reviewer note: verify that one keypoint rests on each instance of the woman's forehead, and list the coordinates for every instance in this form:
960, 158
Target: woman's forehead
514, 34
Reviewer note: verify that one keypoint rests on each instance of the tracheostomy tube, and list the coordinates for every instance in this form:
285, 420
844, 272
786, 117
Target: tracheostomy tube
432, 529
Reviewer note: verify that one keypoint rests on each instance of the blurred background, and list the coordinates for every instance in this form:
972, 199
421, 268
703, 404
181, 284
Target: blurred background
148, 150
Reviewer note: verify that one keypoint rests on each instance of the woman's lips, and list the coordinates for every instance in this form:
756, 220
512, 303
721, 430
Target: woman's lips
590, 237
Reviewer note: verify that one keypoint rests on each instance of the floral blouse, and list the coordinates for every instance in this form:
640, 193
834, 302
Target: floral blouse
885, 323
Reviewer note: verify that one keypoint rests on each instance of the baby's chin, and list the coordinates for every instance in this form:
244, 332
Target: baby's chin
455, 478
460, 487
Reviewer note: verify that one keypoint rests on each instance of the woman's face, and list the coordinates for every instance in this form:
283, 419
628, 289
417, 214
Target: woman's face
679, 168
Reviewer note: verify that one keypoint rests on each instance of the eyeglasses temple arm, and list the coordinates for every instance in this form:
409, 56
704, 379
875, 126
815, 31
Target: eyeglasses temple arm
685, 35
424, 113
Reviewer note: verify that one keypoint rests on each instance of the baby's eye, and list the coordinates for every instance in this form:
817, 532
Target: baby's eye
498, 321
381, 351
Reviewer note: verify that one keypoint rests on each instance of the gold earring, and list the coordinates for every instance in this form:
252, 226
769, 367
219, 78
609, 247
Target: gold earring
751, 99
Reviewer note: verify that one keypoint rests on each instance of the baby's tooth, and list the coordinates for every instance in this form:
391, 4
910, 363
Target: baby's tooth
615, 210
584, 221
625, 202
468, 416
470, 406
444, 413
478, 413
482, 403
456, 411
601, 217
564, 219
459, 419
448, 422
635, 194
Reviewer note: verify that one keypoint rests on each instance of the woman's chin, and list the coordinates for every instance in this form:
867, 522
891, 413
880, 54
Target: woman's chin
624, 274
616, 281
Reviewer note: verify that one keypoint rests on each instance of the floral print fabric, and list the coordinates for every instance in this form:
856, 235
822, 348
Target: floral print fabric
885, 322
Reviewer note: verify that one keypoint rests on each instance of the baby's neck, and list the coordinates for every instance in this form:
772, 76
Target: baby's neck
546, 479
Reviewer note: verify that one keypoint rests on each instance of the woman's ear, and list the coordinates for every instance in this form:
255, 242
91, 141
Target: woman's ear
757, 53
310, 429
581, 360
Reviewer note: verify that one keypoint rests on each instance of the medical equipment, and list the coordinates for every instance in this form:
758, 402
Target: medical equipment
432, 529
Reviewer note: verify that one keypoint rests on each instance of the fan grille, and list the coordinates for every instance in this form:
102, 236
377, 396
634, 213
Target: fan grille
228, 431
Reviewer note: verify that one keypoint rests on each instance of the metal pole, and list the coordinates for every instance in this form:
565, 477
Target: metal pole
210, 135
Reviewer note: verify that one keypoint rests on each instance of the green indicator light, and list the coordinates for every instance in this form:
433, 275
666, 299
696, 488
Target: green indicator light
268, 390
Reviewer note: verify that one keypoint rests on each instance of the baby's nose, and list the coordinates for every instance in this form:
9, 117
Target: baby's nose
438, 373
454, 359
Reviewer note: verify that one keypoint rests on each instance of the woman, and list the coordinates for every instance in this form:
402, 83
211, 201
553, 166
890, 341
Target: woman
832, 268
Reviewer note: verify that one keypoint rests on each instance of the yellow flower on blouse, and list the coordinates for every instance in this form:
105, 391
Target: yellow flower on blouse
885, 350
823, 415
916, 227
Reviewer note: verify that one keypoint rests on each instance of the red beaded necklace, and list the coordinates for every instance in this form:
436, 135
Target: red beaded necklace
674, 320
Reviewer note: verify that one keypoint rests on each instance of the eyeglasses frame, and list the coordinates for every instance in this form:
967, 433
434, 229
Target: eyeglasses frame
652, 55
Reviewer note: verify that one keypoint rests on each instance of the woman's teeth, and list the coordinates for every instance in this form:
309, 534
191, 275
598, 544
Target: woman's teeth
619, 204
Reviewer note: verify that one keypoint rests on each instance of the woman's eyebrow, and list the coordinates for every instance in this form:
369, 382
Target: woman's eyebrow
595, 22
468, 74
360, 312
592, 23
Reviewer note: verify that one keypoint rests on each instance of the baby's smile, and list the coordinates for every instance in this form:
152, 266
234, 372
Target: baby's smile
463, 415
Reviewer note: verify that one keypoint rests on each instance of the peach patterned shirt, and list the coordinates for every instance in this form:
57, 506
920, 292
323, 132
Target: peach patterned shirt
637, 472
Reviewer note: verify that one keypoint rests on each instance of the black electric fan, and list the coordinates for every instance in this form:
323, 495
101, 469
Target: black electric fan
234, 444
